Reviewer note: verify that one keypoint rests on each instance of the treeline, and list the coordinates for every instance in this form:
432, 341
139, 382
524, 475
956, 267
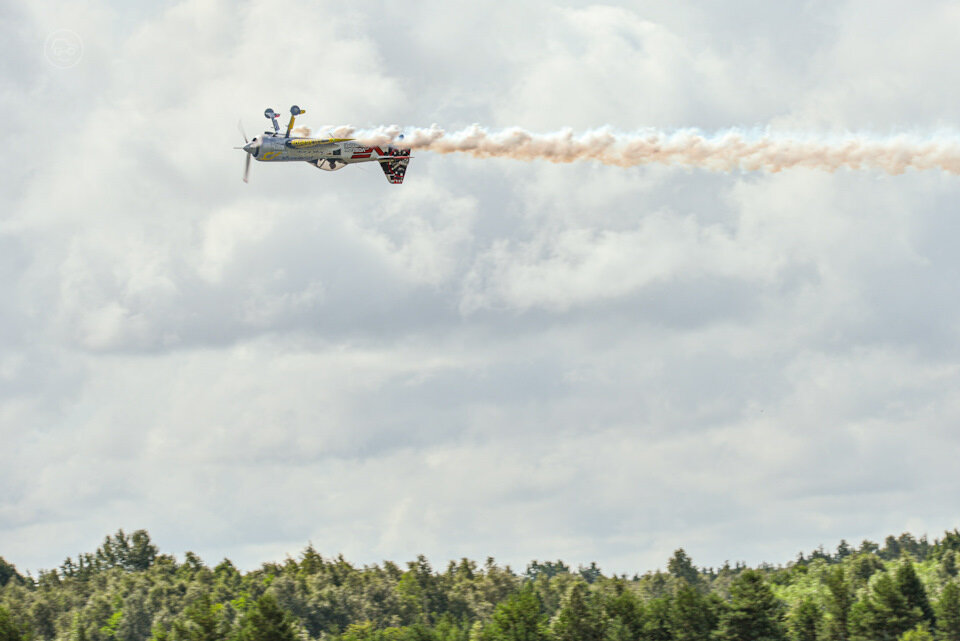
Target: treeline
126, 590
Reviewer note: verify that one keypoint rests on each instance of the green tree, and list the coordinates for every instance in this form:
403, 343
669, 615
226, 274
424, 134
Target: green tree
359, 632
657, 619
548, 569
590, 573
948, 565
681, 566
868, 547
79, 632
201, 621
865, 566
912, 589
140, 553
615, 630
126, 590
266, 621
948, 613
884, 613
804, 621
579, 619
109, 629
843, 550
43, 615
919, 633
420, 592
755, 613
838, 604
519, 618
136, 622
8, 573
10, 630
625, 609
692, 617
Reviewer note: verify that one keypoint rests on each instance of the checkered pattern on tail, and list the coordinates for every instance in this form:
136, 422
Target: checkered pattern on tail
395, 169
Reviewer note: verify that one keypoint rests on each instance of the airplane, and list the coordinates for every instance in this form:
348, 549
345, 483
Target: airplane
328, 154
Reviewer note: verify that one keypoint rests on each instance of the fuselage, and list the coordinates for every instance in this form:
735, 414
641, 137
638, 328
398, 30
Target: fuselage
328, 154
276, 148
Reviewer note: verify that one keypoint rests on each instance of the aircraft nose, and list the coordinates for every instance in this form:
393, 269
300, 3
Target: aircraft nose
252, 147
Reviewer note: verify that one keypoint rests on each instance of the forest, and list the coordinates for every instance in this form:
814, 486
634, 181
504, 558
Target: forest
906, 589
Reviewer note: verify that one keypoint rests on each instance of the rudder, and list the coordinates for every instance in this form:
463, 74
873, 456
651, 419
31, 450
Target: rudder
395, 170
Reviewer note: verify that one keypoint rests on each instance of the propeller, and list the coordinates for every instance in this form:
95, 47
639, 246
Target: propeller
253, 148
246, 149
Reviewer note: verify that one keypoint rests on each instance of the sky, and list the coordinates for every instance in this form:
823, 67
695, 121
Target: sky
499, 358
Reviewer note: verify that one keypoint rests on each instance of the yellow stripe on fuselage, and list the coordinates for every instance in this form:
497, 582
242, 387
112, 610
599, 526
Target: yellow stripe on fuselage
315, 142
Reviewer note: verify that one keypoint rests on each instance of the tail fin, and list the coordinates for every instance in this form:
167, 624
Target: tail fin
394, 169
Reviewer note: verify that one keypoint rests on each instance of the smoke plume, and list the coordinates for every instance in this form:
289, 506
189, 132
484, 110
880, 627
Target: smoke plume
725, 151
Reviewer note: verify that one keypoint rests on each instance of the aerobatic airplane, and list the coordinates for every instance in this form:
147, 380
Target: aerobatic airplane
329, 154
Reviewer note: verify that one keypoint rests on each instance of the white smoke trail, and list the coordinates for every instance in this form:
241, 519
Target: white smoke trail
725, 151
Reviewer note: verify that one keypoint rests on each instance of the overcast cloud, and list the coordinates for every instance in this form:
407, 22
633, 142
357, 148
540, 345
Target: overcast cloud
521, 360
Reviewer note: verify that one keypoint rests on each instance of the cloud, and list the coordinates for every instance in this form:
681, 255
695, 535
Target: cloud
582, 266
497, 358
879, 56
